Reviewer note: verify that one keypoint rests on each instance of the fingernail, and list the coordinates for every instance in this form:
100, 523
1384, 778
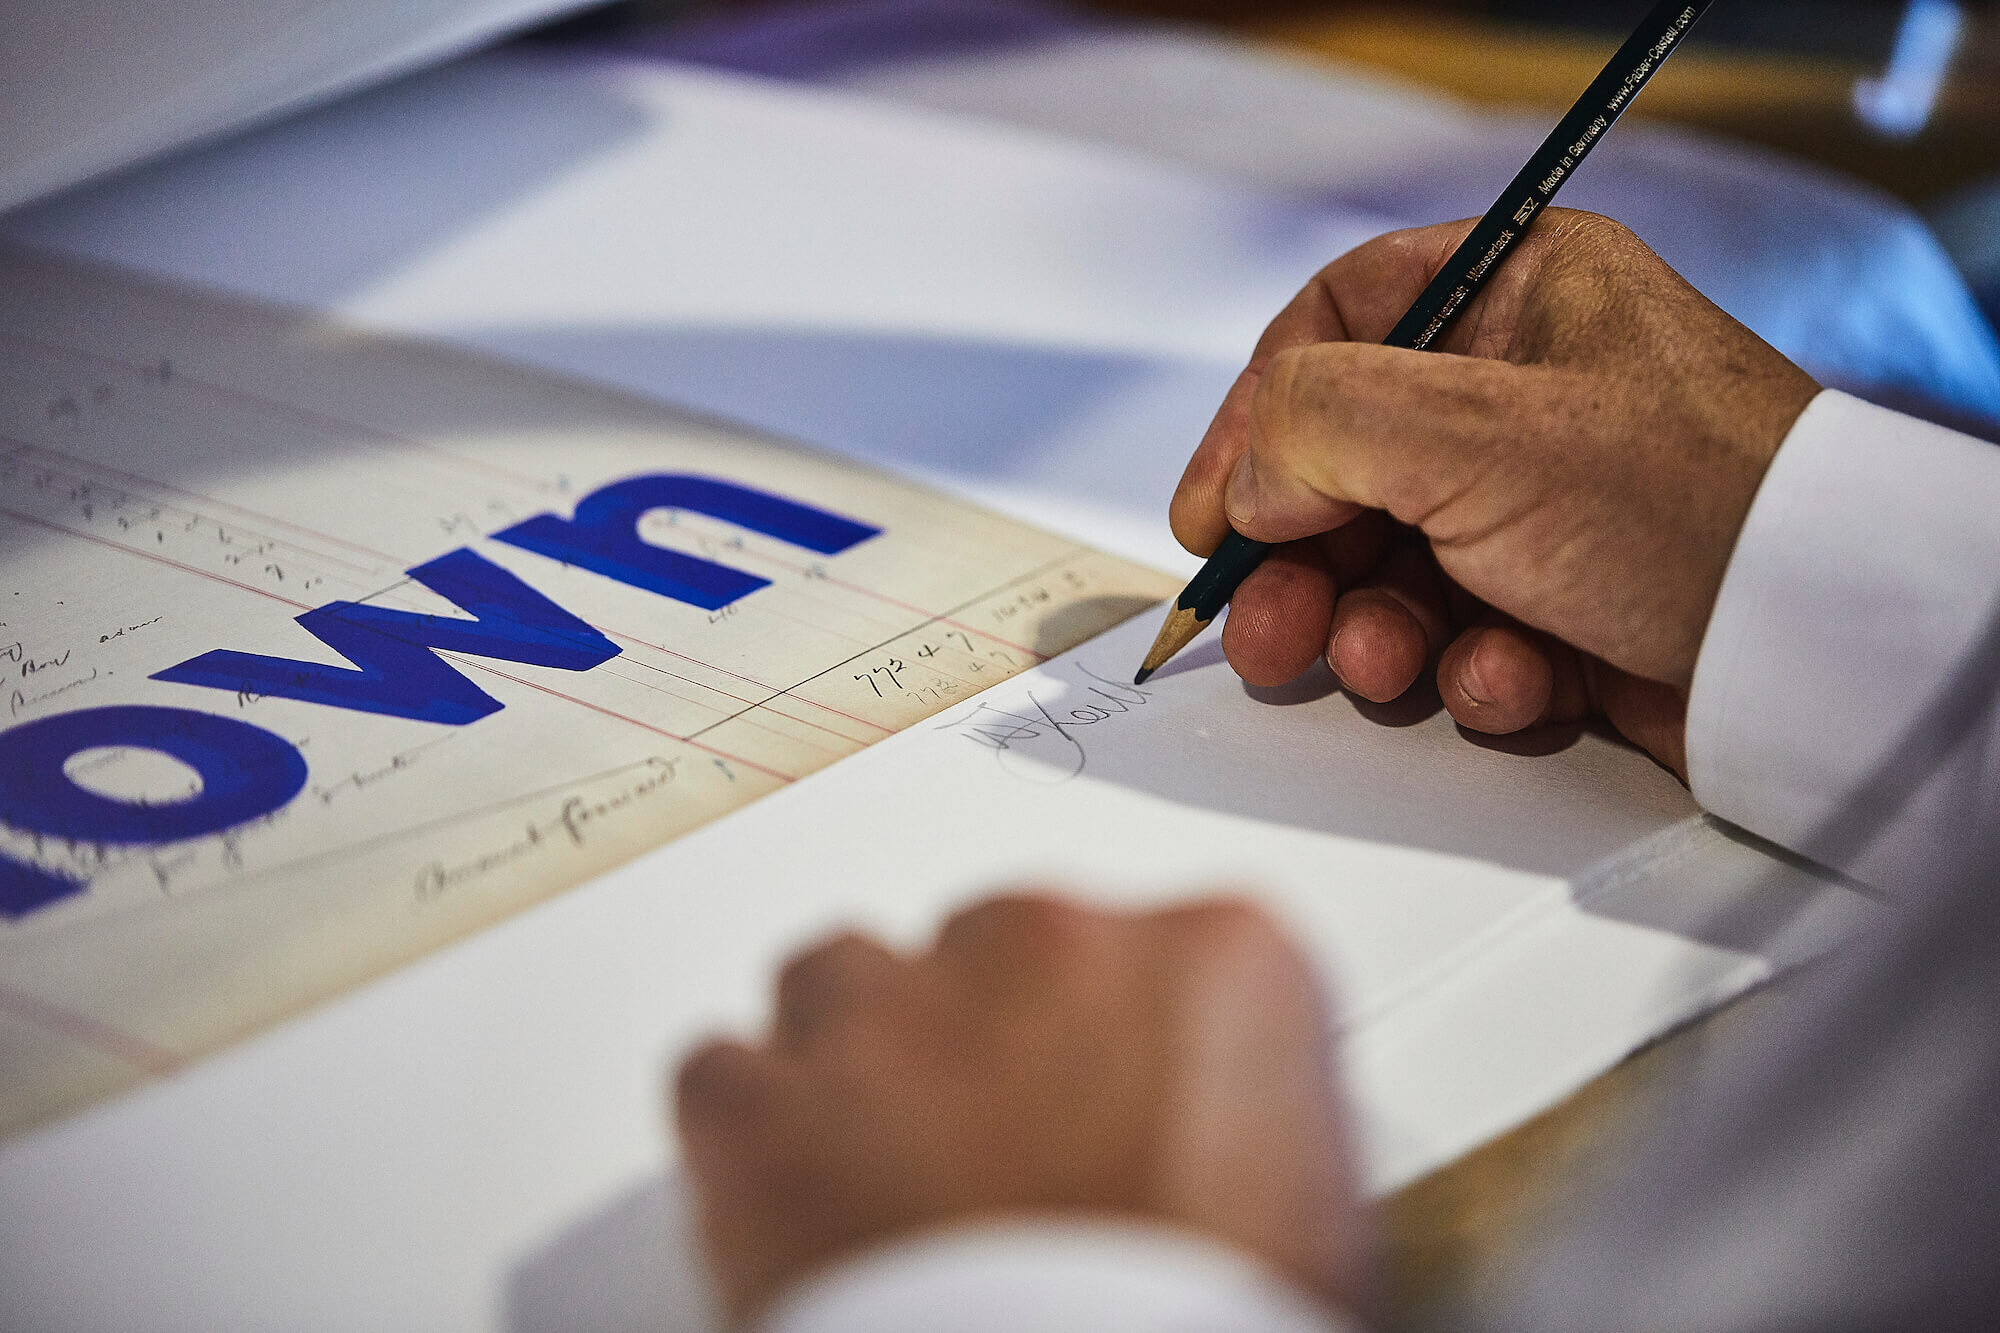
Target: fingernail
1239, 497
1333, 662
1472, 680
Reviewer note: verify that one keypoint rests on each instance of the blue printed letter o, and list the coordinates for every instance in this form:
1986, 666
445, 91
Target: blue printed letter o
245, 772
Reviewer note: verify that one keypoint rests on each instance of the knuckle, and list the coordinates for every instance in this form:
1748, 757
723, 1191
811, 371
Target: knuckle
1230, 944
1428, 245
830, 956
1590, 228
716, 1079
1325, 287
822, 988
1030, 923
1026, 913
1581, 251
1232, 926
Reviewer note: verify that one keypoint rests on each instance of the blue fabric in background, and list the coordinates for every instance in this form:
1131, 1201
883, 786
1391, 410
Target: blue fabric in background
1968, 223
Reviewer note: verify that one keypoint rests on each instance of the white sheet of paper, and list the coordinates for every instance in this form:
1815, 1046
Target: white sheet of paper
477, 1141
92, 85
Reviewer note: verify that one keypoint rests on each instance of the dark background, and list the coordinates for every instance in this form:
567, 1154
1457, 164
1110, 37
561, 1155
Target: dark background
1780, 73
1777, 72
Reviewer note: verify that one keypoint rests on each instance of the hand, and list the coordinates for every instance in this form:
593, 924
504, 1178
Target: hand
1040, 1056
1545, 506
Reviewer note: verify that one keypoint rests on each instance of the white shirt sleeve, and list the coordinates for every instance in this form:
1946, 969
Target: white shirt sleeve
1843, 701
1051, 1275
1843, 707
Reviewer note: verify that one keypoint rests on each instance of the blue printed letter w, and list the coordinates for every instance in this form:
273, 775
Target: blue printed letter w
395, 672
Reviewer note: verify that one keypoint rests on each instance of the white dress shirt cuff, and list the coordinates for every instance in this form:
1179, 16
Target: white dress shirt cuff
1051, 1276
1857, 609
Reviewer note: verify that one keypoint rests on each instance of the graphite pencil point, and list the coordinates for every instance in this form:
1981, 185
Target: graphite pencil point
1181, 627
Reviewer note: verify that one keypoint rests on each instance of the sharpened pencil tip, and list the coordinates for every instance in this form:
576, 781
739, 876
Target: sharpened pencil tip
1181, 627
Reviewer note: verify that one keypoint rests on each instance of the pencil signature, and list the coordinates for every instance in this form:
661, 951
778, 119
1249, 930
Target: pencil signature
1037, 743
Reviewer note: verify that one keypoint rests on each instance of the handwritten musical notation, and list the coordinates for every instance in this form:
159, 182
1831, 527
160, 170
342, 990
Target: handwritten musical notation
318, 650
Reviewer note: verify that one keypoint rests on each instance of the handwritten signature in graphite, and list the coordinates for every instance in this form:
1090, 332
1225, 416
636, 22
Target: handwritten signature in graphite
1038, 744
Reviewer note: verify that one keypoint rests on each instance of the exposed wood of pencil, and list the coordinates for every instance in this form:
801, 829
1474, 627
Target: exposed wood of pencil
1181, 627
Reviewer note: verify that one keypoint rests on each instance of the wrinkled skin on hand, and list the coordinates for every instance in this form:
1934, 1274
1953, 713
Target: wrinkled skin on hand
1543, 507
1541, 512
1039, 1057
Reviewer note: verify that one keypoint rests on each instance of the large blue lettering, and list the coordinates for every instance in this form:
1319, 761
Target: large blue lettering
603, 536
245, 772
395, 672
23, 887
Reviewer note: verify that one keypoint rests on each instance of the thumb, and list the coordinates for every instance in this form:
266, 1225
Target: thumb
1339, 427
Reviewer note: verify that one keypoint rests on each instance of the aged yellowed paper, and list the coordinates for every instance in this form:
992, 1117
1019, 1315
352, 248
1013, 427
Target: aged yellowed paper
321, 649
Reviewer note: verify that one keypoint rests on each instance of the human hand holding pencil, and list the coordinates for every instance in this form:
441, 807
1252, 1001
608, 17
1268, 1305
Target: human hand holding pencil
1545, 510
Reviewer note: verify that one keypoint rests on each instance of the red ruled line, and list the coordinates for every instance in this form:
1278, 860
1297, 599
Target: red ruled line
344, 430
643, 726
156, 558
928, 615
744, 716
534, 484
777, 692
87, 1031
750, 704
945, 620
138, 479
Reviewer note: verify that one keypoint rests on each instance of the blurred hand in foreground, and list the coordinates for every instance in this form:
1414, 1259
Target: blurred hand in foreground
1040, 1056
1544, 506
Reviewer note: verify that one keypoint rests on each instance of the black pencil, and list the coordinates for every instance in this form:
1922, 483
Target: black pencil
1483, 251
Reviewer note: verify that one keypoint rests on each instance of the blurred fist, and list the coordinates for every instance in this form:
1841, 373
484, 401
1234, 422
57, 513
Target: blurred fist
1039, 1057
1544, 506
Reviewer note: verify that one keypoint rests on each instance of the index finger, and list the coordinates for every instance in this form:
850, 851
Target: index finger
1357, 298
